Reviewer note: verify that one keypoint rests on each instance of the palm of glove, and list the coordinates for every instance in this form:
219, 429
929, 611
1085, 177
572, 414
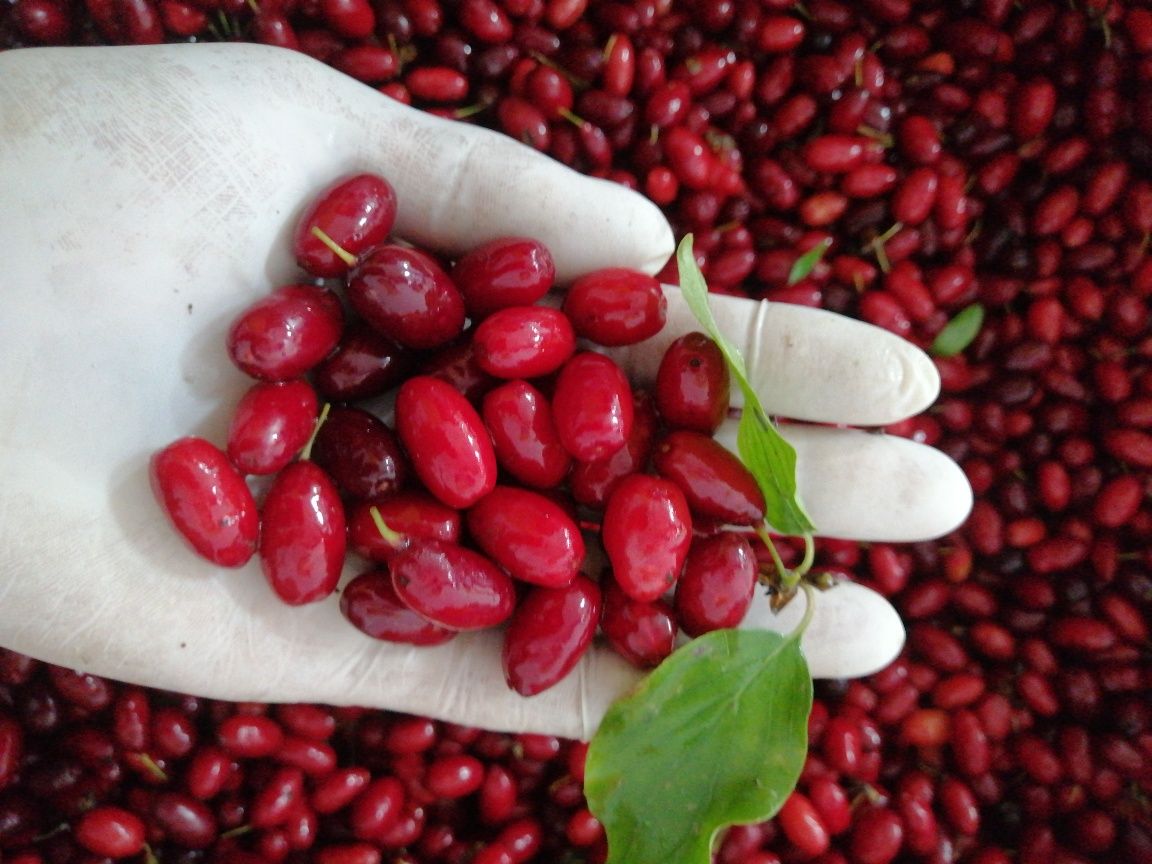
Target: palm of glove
149, 197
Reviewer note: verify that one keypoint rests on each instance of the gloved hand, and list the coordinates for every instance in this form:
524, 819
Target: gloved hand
147, 197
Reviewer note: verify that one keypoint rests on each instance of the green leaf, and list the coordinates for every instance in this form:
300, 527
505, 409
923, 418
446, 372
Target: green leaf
715, 736
807, 262
959, 332
770, 458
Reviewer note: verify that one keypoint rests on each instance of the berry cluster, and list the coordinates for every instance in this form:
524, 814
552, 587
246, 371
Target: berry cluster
509, 438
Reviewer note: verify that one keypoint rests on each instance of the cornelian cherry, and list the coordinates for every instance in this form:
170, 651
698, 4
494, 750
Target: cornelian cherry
524, 437
270, 425
409, 516
356, 213
452, 586
643, 633
715, 482
693, 384
360, 453
548, 634
646, 532
302, 537
523, 342
529, 535
370, 602
510, 271
285, 334
716, 587
207, 500
616, 306
592, 406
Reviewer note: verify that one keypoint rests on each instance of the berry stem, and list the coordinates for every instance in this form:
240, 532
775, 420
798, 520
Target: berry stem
306, 453
392, 538
337, 250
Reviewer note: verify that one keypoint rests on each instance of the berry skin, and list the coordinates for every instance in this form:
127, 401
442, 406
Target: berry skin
302, 538
592, 406
646, 532
206, 500
111, 832
523, 342
510, 271
529, 535
287, 333
357, 213
693, 384
452, 586
448, 446
642, 633
404, 294
713, 479
370, 602
548, 634
616, 306
271, 424
717, 585
519, 419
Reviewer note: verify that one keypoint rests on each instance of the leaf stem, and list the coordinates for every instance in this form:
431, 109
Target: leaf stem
809, 608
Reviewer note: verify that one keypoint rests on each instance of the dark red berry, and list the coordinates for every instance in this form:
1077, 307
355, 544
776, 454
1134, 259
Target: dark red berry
643, 633
452, 586
548, 634
519, 418
528, 534
646, 531
370, 602
359, 453
715, 482
717, 585
693, 385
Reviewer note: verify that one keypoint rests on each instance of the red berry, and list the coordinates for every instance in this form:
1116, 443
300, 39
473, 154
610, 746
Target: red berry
616, 306
524, 437
371, 603
364, 364
592, 406
646, 531
548, 634
271, 424
715, 482
359, 453
452, 586
523, 342
414, 516
592, 482
643, 633
449, 448
693, 384
302, 536
406, 295
510, 271
527, 534
717, 585
112, 832
357, 213
207, 501
286, 333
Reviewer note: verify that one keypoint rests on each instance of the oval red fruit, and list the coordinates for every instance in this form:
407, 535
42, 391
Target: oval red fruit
357, 213
407, 296
448, 446
519, 418
302, 537
412, 516
548, 634
360, 453
529, 535
642, 633
207, 500
510, 271
523, 342
713, 479
616, 306
271, 424
716, 587
286, 333
592, 406
693, 385
370, 602
452, 586
646, 531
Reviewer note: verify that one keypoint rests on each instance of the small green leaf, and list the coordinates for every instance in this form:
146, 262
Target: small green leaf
959, 332
765, 453
807, 262
715, 736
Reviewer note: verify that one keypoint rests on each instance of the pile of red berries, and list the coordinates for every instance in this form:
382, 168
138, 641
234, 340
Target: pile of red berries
1015, 727
508, 440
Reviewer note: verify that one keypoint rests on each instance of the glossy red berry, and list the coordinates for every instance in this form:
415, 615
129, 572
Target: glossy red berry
529, 535
285, 334
452, 586
646, 532
510, 271
357, 213
616, 306
370, 602
524, 437
693, 384
365, 363
446, 440
112, 832
360, 453
523, 342
413, 516
592, 406
548, 634
302, 537
592, 482
406, 295
713, 479
643, 633
271, 424
207, 500
716, 587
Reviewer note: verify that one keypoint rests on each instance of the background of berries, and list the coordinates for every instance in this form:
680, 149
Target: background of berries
979, 151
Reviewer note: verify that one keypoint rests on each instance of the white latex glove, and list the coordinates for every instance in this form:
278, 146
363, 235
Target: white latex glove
146, 197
